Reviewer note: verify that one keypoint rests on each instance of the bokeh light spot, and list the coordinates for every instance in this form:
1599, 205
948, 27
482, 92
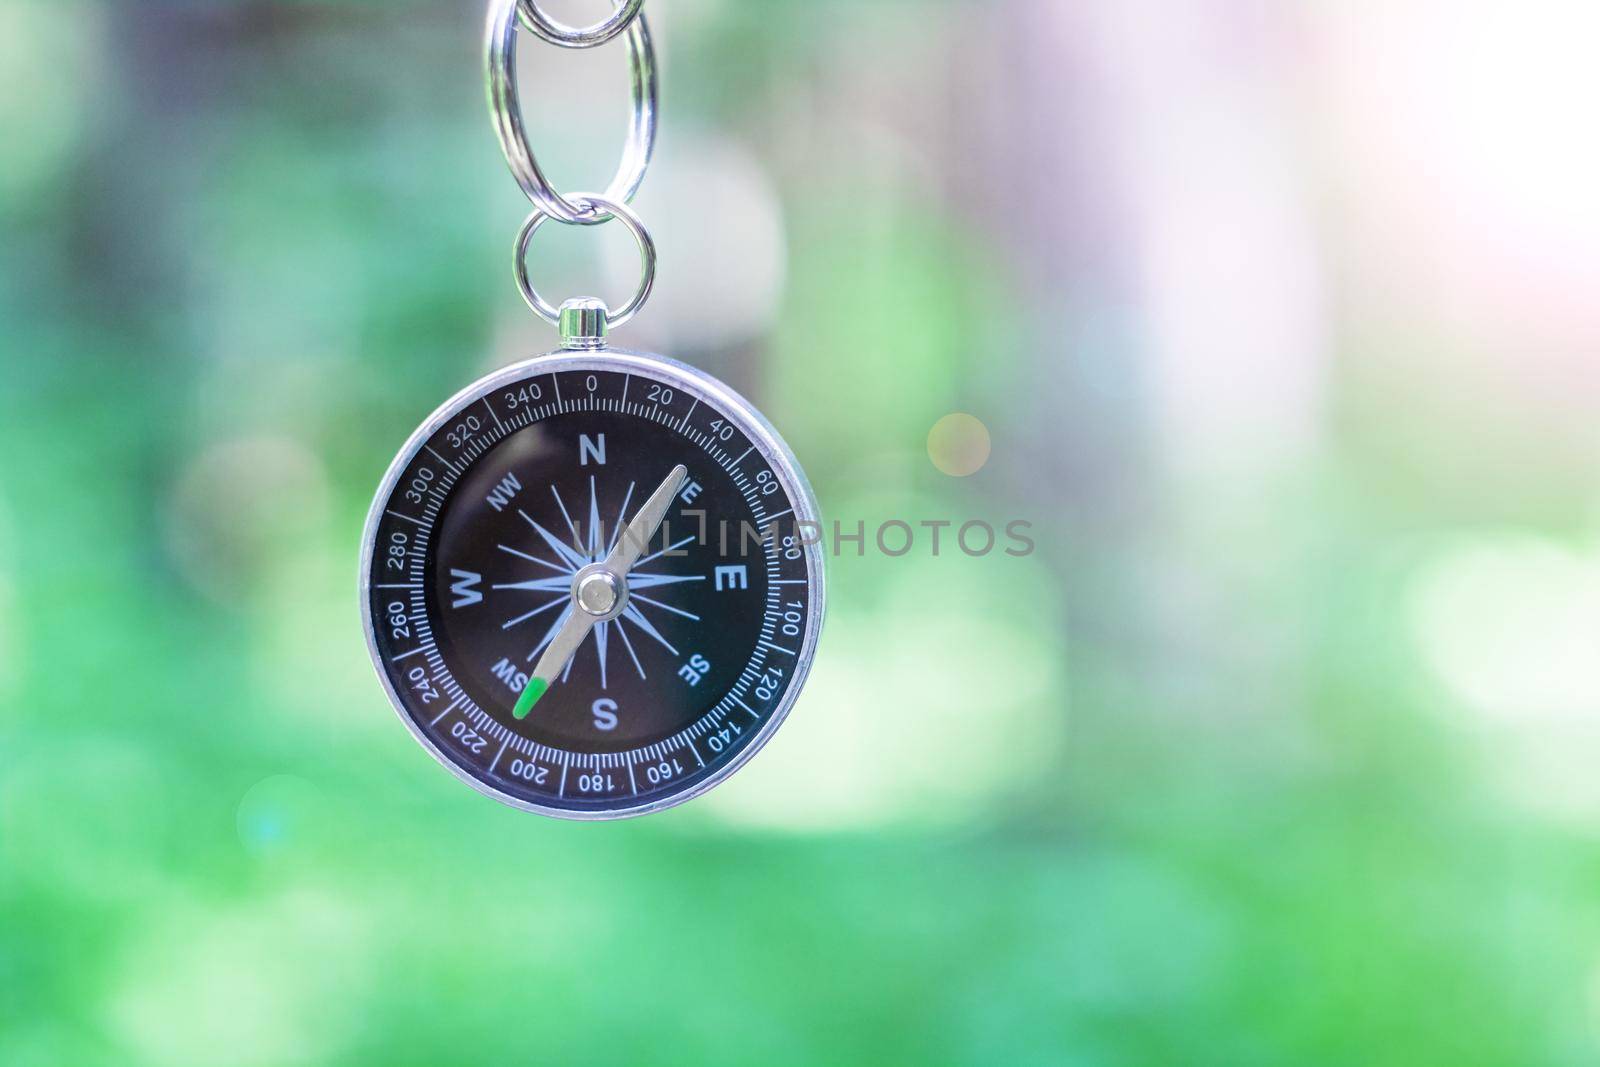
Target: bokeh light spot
959, 445
272, 982
1511, 626
240, 512
42, 128
274, 813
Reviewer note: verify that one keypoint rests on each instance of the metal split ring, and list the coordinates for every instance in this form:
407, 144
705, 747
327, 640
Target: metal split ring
506, 109
559, 33
606, 208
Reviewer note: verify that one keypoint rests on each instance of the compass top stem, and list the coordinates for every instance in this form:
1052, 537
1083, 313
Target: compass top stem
584, 324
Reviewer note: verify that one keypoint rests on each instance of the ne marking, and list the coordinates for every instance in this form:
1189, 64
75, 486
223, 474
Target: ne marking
502, 752
776, 648
408, 655
408, 518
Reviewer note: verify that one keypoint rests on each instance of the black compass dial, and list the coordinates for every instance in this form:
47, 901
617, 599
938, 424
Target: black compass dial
529, 482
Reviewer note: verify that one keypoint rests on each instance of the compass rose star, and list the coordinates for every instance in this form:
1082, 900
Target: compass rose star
599, 586
582, 552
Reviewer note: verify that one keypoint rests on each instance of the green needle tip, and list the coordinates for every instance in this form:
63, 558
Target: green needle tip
536, 688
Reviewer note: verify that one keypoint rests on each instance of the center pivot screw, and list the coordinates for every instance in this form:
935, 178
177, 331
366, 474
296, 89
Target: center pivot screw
599, 592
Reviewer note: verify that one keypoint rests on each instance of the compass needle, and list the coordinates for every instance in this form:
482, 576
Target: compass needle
555, 659
550, 634
536, 688
636, 537
599, 590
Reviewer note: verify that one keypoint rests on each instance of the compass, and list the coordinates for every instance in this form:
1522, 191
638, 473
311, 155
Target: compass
592, 584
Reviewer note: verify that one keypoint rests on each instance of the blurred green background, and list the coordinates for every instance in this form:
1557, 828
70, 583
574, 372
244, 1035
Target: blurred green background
1280, 749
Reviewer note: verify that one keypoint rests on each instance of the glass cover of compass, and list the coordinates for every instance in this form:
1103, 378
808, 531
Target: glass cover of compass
593, 584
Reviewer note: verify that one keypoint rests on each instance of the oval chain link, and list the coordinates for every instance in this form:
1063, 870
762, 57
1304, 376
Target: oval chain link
579, 209
559, 33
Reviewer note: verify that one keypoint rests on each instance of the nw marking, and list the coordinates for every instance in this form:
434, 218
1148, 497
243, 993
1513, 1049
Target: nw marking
505, 492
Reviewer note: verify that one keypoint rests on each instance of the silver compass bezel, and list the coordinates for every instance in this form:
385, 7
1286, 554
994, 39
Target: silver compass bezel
772, 448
